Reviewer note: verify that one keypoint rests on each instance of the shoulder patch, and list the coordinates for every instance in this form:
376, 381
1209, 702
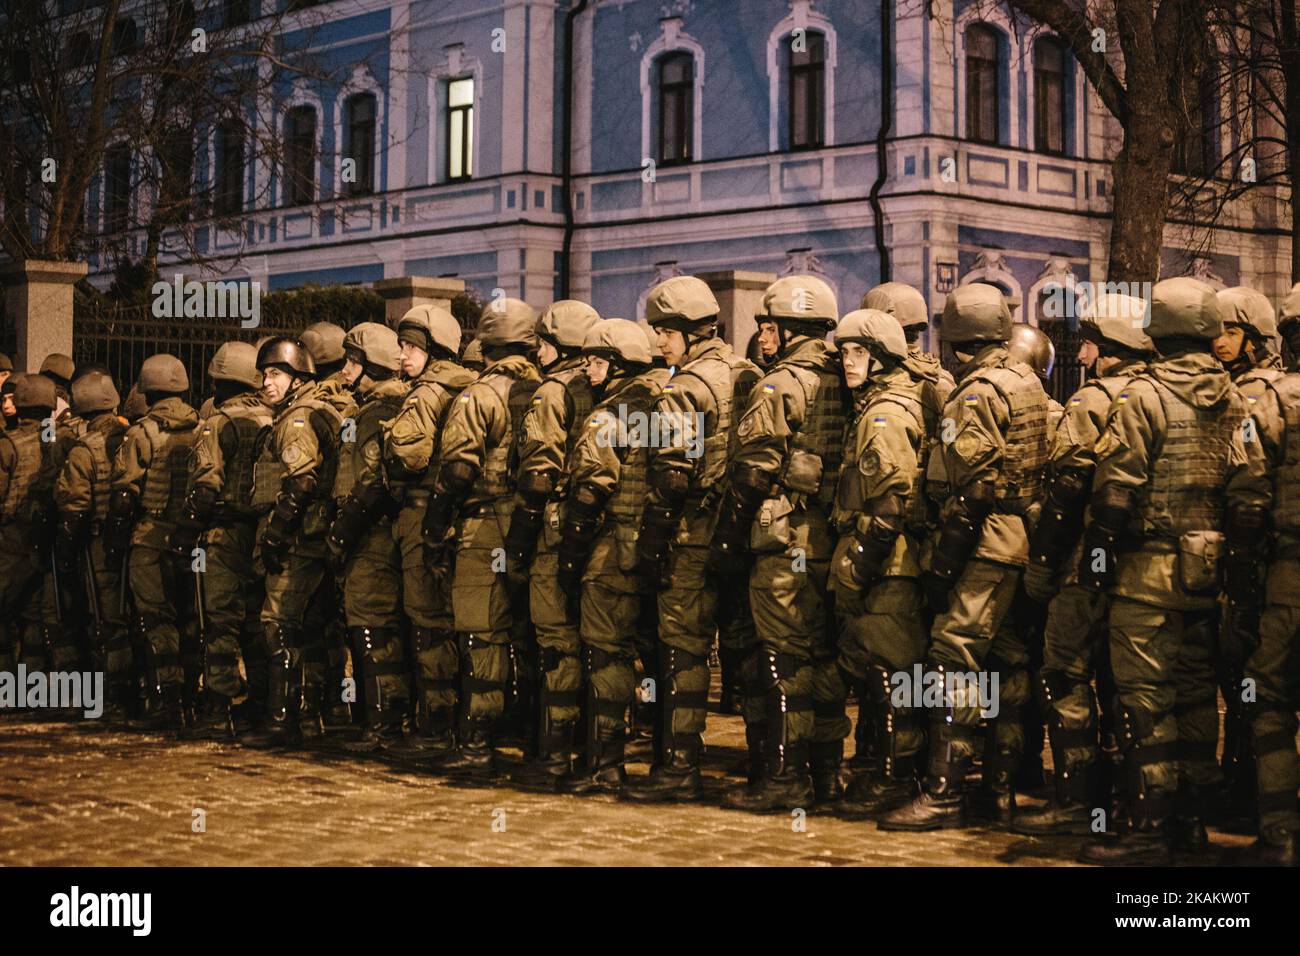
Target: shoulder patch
971, 398
880, 421
1123, 398
292, 454
299, 423
769, 388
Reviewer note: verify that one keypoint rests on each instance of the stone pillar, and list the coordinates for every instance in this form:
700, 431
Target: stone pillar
740, 294
402, 295
38, 301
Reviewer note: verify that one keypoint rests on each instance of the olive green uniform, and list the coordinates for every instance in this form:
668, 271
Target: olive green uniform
410, 444
152, 466
224, 453
27, 474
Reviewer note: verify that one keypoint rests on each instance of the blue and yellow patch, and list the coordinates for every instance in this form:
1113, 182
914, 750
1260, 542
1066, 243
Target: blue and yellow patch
880, 421
972, 399
1123, 399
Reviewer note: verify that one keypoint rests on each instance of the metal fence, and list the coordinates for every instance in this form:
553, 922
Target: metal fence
122, 337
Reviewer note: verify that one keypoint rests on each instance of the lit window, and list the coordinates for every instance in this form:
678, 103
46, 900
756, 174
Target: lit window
460, 128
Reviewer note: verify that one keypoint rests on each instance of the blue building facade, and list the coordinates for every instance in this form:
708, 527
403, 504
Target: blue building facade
750, 137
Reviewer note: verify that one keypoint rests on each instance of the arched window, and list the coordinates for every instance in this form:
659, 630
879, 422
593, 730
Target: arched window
117, 187
228, 181
125, 40
807, 89
982, 119
676, 107
359, 141
299, 156
1049, 95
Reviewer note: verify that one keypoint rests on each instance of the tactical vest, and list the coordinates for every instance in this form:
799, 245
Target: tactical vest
628, 502
351, 466
497, 479
817, 448
851, 498
250, 425
729, 380
1020, 480
1189, 469
327, 422
22, 498
443, 394
96, 443
578, 404
1286, 479
167, 477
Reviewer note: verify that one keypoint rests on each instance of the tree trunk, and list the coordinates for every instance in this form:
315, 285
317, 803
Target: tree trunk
1140, 198
1290, 60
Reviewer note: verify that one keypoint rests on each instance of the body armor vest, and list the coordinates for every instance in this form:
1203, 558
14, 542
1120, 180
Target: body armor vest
251, 423
579, 401
377, 409
729, 380
96, 443
327, 421
817, 448
22, 498
1189, 469
167, 477
442, 395
852, 498
497, 479
628, 502
1020, 480
1286, 480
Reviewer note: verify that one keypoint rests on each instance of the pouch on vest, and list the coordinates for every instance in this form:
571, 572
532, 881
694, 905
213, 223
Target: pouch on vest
317, 518
625, 538
267, 477
771, 529
803, 472
1200, 555
552, 524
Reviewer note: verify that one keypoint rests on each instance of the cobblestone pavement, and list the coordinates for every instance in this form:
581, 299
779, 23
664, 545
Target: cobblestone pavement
81, 794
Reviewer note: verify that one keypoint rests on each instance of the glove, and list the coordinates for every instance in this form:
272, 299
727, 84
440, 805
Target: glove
117, 527
1039, 583
184, 538
349, 525
274, 548
937, 590
521, 545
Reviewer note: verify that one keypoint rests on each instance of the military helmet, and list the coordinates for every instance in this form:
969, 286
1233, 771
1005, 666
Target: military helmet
618, 340
801, 298
976, 313
1185, 307
901, 301
681, 303
370, 343
507, 322
136, 406
1118, 319
565, 324
34, 391
163, 373
1244, 306
58, 365
428, 325
94, 392
473, 357
235, 362
324, 342
1289, 311
288, 354
1032, 346
6, 363
876, 330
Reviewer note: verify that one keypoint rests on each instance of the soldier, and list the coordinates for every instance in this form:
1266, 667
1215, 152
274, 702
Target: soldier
1177, 492
908, 306
555, 419
361, 540
700, 404
473, 497
881, 516
777, 503
473, 357
324, 342
218, 511
59, 369
597, 549
293, 478
1271, 667
6, 368
429, 337
1115, 350
81, 495
1032, 347
27, 476
148, 493
1247, 351
134, 407
996, 418
7, 403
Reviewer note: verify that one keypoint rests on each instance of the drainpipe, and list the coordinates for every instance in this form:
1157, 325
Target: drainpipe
566, 150
882, 135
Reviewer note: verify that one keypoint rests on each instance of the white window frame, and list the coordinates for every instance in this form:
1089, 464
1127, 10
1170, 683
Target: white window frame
996, 19
302, 95
1075, 117
456, 66
801, 16
361, 81
671, 39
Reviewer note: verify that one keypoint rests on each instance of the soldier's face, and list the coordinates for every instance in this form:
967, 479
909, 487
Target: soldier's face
597, 370
414, 359
672, 345
857, 364
352, 371
1227, 347
276, 383
9, 409
769, 342
1088, 354
546, 352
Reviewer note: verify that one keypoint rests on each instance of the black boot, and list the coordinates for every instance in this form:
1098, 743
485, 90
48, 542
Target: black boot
1276, 846
785, 783
676, 778
1145, 842
213, 720
733, 688
1186, 826
165, 713
554, 760
602, 770
1077, 788
941, 803
676, 773
826, 758
994, 803
282, 693
476, 756
383, 716
1069, 812
882, 781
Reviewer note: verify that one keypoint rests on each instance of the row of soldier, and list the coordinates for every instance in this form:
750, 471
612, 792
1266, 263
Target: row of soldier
833, 523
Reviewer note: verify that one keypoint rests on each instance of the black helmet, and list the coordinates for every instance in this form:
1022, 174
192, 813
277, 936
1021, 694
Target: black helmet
287, 354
